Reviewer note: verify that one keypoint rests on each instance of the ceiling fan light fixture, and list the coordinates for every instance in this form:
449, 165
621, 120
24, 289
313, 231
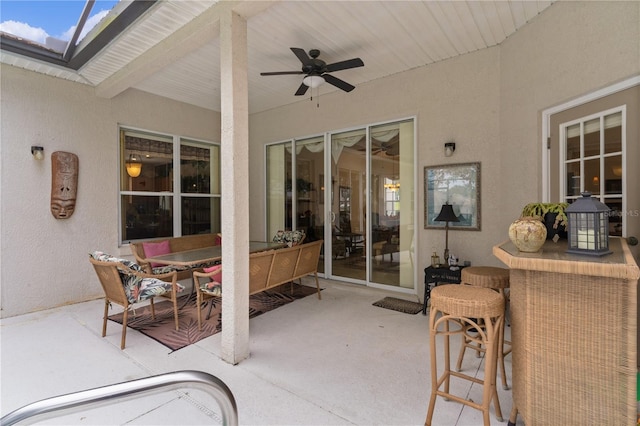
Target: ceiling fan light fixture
313, 81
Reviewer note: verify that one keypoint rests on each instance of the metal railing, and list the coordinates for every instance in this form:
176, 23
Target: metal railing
110, 394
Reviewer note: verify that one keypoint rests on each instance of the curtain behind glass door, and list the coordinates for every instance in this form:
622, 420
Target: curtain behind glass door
278, 188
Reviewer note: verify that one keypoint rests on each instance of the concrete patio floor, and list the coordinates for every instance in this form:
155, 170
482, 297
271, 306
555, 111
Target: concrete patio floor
335, 361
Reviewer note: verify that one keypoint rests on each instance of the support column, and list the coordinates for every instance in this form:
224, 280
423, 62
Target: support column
235, 187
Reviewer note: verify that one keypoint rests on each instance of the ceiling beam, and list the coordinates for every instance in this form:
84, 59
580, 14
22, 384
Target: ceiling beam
191, 37
71, 45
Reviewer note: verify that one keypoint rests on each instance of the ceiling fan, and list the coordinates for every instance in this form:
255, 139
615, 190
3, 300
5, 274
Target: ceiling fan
391, 148
317, 70
387, 149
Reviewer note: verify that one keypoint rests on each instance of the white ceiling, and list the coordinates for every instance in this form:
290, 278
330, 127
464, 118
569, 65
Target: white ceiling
173, 50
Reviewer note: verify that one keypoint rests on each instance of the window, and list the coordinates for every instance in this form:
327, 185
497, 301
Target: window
592, 152
169, 186
391, 197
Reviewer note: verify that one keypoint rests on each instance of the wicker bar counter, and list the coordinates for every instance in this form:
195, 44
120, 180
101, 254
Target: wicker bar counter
574, 323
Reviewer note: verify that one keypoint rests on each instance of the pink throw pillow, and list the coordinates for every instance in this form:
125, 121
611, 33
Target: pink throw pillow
216, 277
156, 249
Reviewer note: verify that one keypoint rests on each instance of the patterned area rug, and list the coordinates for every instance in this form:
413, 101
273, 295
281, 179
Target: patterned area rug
400, 305
162, 329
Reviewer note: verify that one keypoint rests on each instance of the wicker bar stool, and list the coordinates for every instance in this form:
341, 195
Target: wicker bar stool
460, 305
495, 279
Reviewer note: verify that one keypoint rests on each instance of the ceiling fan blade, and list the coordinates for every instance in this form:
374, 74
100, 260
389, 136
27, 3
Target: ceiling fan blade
301, 54
281, 73
302, 89
393, 147
340, 84
345, 65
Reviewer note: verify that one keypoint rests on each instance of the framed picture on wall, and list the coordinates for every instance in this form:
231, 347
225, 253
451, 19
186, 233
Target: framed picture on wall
458, 185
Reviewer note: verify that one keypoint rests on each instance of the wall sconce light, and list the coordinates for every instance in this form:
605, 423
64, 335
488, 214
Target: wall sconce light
449, 147
37, 152
134, 166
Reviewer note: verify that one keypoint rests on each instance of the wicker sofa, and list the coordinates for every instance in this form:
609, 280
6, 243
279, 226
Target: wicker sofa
267, 269
177, 244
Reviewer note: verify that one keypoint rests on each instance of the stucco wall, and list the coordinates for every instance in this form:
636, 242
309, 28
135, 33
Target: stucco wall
456, 100
570, 50
489, 102
44, 260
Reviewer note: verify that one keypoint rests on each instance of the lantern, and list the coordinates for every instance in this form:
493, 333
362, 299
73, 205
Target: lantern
588, 226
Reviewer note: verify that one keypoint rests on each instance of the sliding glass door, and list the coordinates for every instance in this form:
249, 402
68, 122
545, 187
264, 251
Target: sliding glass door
355, 190
392, 204
295, 188
348, 205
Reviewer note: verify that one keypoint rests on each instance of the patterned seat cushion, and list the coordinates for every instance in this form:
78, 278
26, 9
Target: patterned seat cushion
291, 238
146, 288
137, 288
213, 288
104, 257
168, 268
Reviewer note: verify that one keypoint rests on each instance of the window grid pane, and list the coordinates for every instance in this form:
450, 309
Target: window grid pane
195, 168
154, 155
146, 217
593, 162
613, 133
147, 186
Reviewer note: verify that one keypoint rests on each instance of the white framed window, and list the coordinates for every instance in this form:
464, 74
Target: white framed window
592, 160
169, 186
391, 197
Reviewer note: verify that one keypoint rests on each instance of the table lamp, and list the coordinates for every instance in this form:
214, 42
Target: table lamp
447, 215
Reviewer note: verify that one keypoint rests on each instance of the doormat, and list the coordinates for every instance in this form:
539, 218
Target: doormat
400, 305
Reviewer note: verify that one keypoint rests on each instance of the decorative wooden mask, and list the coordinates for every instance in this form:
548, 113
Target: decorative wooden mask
64, 184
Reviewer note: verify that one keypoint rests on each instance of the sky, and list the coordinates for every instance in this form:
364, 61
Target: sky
37, 20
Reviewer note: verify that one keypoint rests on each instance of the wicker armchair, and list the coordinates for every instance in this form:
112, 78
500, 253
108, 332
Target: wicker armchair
126, 283
210, 286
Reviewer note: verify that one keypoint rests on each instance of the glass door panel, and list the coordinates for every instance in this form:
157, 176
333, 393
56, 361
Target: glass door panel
278, 188
348, 202
310, 189
392, 206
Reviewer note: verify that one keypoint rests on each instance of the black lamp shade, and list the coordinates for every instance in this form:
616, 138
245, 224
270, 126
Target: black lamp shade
447, 214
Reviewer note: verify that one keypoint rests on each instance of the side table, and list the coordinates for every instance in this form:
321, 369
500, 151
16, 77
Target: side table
438, 275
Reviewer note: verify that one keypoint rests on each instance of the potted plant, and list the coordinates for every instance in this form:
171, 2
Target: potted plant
552, 214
